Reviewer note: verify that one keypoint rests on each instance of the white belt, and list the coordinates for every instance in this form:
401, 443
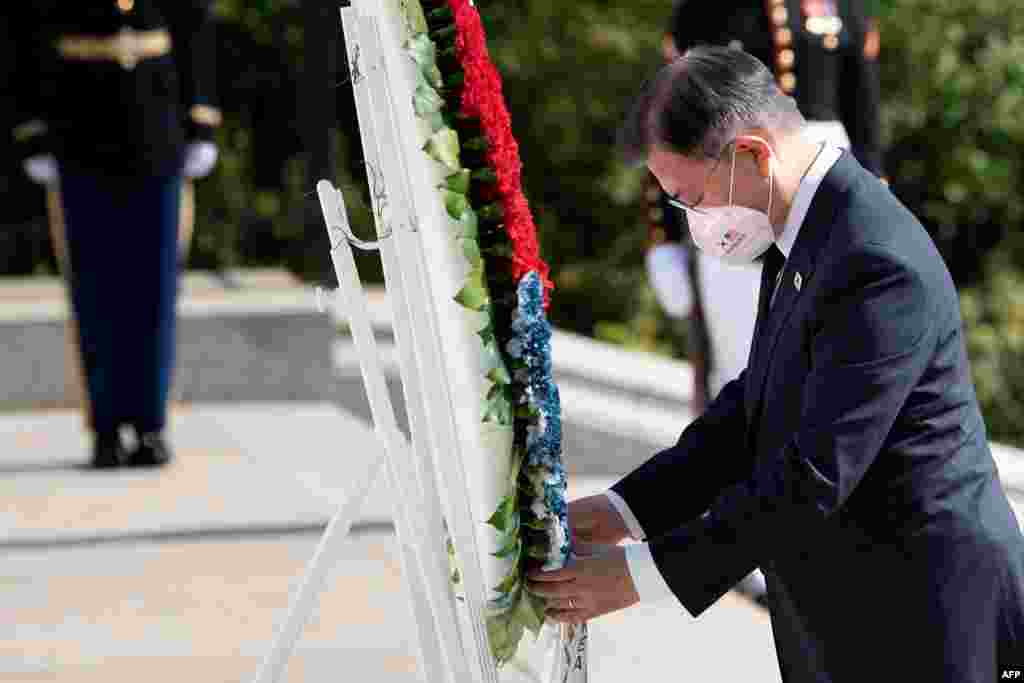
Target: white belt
126, 47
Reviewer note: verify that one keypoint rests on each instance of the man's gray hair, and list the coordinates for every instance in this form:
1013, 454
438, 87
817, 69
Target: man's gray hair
698, 103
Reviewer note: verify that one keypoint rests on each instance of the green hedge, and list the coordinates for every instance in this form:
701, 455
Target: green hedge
953, 88
953, 81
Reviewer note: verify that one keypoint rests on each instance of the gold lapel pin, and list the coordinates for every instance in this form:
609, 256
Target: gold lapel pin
798, 281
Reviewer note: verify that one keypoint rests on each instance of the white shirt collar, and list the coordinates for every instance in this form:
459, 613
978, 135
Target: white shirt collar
804, 194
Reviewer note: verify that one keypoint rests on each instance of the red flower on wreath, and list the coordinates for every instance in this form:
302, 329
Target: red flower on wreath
483, 99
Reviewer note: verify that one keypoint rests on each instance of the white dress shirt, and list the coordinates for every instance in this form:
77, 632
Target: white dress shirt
649, 583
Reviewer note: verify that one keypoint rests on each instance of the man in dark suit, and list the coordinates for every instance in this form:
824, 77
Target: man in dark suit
856, 448
824, 53
114, 114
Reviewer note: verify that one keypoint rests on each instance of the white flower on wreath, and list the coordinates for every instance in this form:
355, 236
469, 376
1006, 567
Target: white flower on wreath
537, 478
556, 541
554, 479
515, 347
536, 431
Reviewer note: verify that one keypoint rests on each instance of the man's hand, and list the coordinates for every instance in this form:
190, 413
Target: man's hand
595, 521
586, 588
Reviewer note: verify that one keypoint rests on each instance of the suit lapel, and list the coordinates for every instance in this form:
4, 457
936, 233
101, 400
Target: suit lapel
803, 259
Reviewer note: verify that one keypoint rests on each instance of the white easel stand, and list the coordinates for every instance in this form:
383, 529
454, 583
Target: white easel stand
395, 450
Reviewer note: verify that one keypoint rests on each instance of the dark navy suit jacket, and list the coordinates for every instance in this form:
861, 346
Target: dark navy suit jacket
850, 462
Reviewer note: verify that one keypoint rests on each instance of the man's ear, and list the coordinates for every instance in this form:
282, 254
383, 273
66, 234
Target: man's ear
760, 146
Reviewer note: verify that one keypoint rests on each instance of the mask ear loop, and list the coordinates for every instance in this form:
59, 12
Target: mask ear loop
771, 178
732, 173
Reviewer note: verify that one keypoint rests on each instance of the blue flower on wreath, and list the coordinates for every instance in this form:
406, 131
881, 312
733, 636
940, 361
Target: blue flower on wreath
531, 347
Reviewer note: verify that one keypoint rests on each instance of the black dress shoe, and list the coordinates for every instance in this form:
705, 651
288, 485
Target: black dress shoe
152, 451
107, 452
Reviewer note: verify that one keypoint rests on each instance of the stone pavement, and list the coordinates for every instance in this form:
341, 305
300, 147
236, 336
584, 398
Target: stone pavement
182, 573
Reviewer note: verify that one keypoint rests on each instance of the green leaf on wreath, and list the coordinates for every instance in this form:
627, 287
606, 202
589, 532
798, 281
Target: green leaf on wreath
443, 146
504, 634
508, 584
529, 613
441, 15
504, 516
414, 16
518, 458
444, 34
499, 375
456, 204
471, 250
501, 249
454, 82
490, 344
486, 334
458, 181
492, 212
421, 49
498, 410
538, 552
428, 105
511, 547
470, 226
473, 295
537, 525
485, 175
527, 412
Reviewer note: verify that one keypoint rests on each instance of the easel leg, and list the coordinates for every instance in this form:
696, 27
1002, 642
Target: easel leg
315, 579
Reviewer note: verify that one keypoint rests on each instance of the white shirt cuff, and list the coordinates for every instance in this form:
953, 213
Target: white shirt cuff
636, 532
649, 583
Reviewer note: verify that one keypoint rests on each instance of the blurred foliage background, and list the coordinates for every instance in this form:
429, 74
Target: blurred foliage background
953, 83
953, 89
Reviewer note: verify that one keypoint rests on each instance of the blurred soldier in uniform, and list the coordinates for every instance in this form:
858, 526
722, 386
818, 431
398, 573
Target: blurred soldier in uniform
824, 54
114, 108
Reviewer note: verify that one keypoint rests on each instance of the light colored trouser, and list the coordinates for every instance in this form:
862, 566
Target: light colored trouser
74, 382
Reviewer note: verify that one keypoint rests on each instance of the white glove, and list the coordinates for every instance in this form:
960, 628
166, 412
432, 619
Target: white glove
41, 169
669, 276
199, 159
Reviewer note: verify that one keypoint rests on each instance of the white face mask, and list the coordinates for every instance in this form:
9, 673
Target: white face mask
734, 234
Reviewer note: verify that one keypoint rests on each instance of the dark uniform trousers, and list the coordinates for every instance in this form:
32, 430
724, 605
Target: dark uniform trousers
74, 381
126, 332
114, 89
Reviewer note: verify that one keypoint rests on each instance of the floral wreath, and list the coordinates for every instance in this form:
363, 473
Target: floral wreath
459, 97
